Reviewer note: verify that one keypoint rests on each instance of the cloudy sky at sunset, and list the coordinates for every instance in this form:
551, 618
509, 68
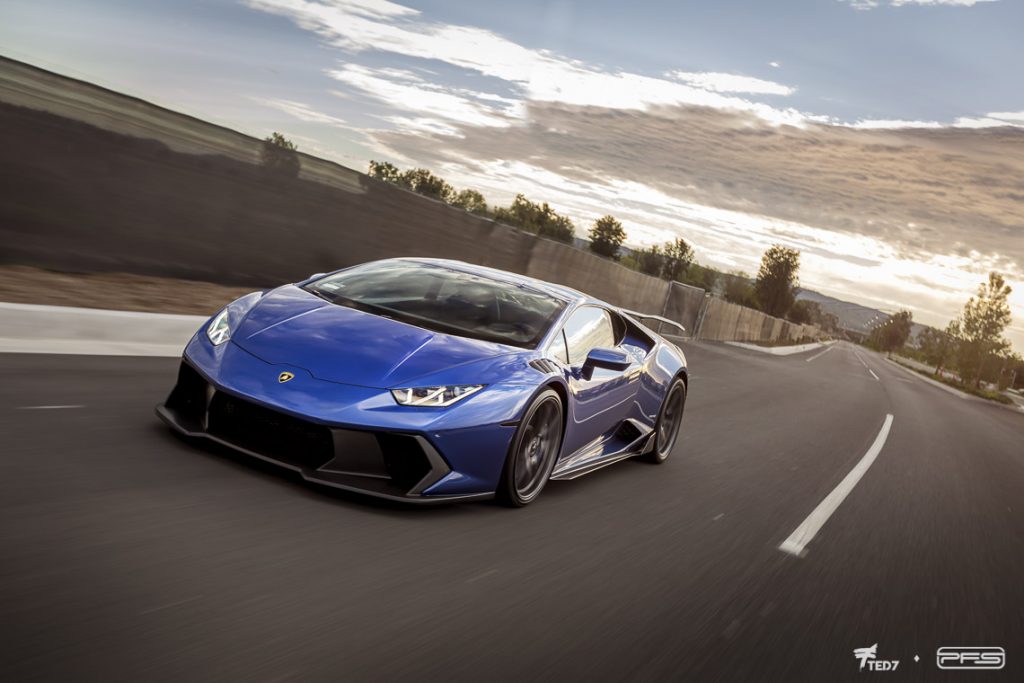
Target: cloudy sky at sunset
882, 138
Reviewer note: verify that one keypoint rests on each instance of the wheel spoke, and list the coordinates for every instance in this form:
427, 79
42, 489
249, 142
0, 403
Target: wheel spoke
536, 449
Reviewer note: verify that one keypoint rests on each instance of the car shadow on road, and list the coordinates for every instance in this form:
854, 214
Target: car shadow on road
294, 483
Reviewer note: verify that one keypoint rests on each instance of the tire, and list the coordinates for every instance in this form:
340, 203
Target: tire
670, 418
533, 452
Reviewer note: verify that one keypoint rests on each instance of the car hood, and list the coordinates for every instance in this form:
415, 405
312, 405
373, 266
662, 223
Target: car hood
339, 344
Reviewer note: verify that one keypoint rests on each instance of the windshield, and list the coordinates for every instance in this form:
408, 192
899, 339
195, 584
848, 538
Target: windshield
444, 300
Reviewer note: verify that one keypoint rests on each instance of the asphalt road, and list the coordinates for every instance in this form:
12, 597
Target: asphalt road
129, 554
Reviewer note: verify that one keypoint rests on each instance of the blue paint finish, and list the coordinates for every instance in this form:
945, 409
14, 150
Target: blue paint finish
345, 363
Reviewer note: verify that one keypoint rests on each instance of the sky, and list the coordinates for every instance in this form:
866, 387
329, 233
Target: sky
884, 139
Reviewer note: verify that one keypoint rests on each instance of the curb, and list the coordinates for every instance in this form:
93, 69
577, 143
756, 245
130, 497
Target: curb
32, 328
780, 350
953, 390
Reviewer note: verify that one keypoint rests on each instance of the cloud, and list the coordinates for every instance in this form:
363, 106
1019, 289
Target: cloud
423, 124
873, 124
720, 82
957, 3
888, 212
872, 4
301, 111
991, 120
405, 91
892, 218
923, 191
537, 75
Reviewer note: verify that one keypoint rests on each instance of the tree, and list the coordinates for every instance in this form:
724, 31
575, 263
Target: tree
606, 237
938, 346
701, 276
893, 333
806, 312
386, 171
678, 257
558, 228
777, 280
985, 317
1015, 372
650, 261
519, 213
829, 322
471, 201
422, 181
279, 157
539, 219
738, 289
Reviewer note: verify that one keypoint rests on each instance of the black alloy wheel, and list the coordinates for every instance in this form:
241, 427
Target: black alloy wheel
534, 450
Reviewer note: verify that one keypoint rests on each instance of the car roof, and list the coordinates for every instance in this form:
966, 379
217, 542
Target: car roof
567, 294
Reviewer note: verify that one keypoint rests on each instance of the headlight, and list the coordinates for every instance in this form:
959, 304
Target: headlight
218, 331
434, 397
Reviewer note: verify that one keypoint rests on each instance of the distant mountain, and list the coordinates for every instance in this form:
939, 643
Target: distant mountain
852, 317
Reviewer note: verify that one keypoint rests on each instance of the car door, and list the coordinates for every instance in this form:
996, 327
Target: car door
602, 400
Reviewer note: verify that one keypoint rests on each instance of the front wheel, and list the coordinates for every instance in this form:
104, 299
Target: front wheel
666, 429
534, 450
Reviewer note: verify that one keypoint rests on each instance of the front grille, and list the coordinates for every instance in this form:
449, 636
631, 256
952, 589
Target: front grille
270, 433
380, 462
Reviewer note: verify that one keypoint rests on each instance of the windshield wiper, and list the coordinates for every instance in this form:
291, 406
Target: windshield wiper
318, 293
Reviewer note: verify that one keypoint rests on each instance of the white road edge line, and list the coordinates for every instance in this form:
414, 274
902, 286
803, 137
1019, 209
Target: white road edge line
873, 374
797, 542
49, 407
819, 355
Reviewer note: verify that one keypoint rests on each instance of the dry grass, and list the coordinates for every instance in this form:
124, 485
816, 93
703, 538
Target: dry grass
118, 291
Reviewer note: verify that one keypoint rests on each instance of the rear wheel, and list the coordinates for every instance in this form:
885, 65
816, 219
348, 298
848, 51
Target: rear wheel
666, 429
534, 450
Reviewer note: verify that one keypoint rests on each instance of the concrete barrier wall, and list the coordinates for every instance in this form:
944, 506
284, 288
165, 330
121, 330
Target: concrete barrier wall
93, 180
684, 305
723, 321
598, 277
96, 181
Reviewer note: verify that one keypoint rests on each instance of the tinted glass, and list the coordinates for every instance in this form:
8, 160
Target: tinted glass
588, 328
444, 300
558, 349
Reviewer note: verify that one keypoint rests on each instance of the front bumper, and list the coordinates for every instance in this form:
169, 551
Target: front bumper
382, 463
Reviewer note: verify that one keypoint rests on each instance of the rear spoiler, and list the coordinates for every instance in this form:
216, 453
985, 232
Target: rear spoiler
657, 318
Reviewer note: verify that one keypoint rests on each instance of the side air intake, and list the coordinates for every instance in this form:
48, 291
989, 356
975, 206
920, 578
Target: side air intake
544, 366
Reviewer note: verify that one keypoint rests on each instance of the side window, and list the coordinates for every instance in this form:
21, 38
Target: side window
589, 327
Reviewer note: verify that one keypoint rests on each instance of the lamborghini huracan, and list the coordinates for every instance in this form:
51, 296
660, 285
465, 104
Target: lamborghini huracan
428, 380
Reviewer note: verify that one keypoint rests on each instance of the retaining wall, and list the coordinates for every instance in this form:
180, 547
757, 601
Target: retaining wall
93, 180
723, 321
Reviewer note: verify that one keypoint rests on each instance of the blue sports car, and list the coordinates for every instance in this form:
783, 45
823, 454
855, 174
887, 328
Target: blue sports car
427, 380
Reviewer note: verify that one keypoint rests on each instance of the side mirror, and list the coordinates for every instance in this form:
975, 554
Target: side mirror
609, 359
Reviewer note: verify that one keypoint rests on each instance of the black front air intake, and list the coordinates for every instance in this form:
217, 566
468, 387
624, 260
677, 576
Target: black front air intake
404, 460
188, 398
270, 433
